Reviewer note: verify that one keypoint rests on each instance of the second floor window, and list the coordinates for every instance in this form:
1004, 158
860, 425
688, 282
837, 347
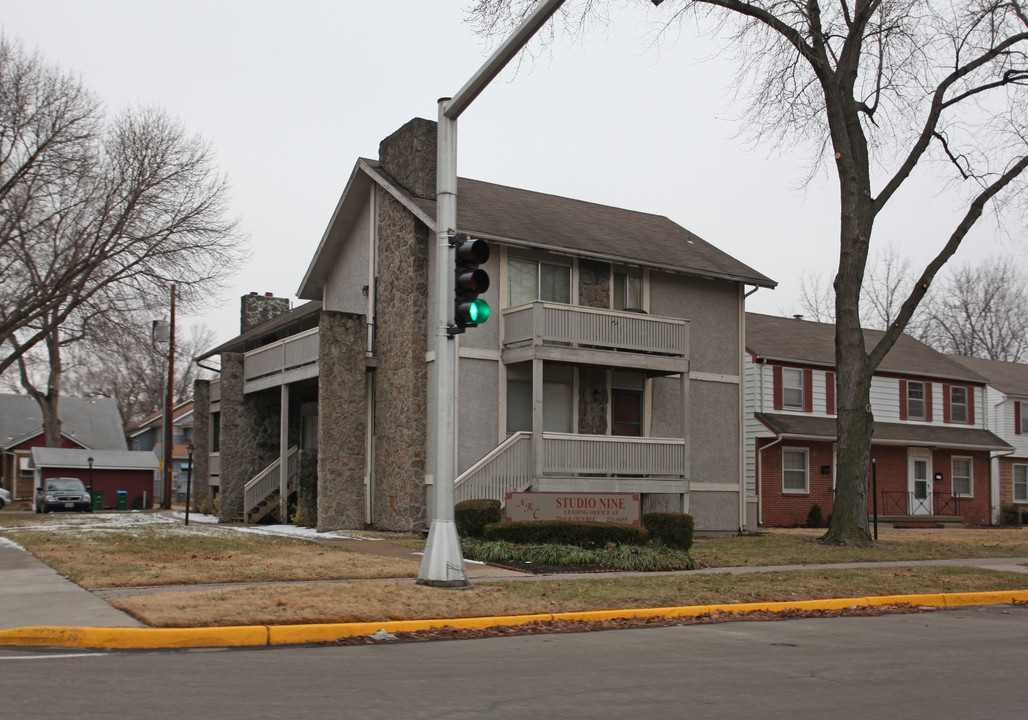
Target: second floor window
958, 404
627, 290
1021, 418
529, 281
915, 400
792, 388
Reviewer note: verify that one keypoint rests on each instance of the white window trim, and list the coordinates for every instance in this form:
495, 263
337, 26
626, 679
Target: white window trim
924, 400
806, 459
801, 388
966, 404
953, 476
1013, 478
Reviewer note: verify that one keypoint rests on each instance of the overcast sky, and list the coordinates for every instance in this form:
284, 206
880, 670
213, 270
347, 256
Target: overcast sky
291, 94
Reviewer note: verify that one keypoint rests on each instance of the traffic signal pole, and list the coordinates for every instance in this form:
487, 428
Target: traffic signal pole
443, 562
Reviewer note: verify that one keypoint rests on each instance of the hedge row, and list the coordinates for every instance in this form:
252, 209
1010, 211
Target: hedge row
562, 532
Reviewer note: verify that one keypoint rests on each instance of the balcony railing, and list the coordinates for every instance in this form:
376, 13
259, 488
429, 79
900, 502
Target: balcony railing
270, 364
587, 458
542, 323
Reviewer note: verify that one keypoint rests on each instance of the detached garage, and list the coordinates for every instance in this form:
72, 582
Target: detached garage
113, 471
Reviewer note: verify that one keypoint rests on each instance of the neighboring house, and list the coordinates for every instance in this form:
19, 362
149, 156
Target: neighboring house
931, 444
107, 473
149, 435
1006, 412
87, 423
612, 361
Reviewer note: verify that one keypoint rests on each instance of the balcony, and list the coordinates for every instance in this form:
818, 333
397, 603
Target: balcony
570, 333
280, 363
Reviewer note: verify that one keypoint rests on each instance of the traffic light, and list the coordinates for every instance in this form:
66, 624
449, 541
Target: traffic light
469, 282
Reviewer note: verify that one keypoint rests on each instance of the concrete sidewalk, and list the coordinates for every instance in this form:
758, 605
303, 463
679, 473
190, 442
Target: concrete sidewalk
32, 593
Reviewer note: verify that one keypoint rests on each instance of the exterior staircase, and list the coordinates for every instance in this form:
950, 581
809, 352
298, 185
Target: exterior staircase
262, 494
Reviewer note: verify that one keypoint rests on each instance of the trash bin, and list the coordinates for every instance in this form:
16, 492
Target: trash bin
98, 499
123, 500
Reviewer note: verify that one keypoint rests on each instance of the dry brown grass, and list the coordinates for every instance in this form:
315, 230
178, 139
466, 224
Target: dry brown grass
800, 547
173, 556
378, 601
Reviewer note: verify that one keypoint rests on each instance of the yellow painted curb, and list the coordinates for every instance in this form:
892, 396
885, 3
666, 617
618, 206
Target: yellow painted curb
262, 635
135, 638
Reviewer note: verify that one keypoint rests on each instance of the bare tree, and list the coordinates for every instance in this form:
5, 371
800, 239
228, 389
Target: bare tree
875, 88
99, 218
981, 311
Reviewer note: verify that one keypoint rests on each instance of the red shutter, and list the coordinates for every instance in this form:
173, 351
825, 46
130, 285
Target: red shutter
830, 393
903, 399
808, 390
778, 386
946, 416
928, 402
970, 405
1017, 418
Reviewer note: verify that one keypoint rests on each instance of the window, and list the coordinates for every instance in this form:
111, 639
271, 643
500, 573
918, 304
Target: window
794, 471
627, 291
958, 404
528, 281
915, 400
23, 465
792, 388
1021, 418
962, 477
1020, 483
558, 408
627, 412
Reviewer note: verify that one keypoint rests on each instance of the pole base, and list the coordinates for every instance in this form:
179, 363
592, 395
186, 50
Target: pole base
443, 563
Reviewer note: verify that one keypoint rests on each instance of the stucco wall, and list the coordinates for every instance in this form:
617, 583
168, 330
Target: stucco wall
478, 410
345, 282
712, 309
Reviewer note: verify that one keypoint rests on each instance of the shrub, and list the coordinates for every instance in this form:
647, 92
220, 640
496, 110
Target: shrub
565, 532
618, 557
673, 529
471, 516
815, 518
1010, 514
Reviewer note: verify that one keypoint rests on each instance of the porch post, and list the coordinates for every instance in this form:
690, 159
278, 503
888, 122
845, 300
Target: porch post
537, 417
686, 434
283, 457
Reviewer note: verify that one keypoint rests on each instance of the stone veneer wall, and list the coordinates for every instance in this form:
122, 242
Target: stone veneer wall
342, 421
401, 385
249, 436
409, 155
201, 441
593, 291
257, 309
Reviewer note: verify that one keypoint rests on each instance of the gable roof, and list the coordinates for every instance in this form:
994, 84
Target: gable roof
92, 422
181, 414
550, 222
1010, 378
770, 337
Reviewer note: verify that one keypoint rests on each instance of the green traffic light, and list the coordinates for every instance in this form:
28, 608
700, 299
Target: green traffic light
479, 311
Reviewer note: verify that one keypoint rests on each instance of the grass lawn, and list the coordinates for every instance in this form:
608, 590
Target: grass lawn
122, 550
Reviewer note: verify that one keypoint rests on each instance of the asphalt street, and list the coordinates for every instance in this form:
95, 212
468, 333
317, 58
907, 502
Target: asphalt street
964, 663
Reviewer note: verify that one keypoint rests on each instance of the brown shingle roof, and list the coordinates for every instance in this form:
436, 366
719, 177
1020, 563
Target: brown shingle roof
804, 341
1009, 378
967, 438
534, 219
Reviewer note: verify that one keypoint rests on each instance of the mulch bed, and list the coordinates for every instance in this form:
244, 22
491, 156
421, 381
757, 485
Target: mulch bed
549, 627
543, 569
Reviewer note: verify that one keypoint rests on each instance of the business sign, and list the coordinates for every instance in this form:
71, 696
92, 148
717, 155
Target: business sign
595, 507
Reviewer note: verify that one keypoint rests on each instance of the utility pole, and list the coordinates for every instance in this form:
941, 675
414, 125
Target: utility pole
169, 407
443, 562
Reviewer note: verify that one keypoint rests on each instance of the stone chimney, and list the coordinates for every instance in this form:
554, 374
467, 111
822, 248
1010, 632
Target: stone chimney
257, 309
409, 156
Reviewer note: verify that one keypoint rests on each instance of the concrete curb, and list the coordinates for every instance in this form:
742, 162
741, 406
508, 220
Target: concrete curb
266, 635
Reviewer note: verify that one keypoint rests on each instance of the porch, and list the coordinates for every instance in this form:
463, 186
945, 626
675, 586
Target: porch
578, 463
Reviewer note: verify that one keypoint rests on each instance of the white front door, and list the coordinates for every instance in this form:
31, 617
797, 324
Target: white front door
919, 481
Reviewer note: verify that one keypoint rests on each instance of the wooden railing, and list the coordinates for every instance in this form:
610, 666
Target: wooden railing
279, 357
565, 454
573, 325
507, 468
268, 481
